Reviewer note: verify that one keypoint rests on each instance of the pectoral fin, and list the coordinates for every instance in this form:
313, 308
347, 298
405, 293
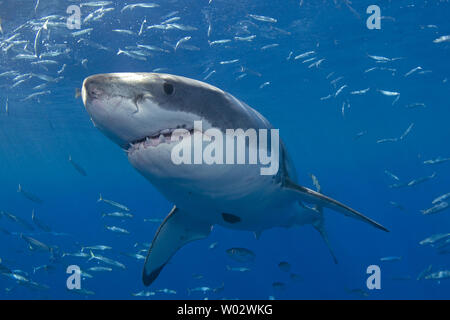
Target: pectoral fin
311, 196
174, 232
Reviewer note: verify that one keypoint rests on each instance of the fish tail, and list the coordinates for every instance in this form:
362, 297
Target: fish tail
20, 188
100, 198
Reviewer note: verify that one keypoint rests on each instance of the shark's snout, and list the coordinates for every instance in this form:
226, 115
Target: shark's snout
93, 88
93, 91
132, 108
128, 107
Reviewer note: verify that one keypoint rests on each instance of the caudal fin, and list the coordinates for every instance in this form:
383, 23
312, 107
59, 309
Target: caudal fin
100, 198
92, 255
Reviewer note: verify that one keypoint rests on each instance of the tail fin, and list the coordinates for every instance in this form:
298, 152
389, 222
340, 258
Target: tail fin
100, 198
20, 188
92, 255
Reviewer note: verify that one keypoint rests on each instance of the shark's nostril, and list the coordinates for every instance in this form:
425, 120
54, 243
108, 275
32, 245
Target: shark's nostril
94, 92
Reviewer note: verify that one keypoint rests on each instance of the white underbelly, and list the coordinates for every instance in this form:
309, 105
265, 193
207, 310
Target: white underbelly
254, 200
249, 200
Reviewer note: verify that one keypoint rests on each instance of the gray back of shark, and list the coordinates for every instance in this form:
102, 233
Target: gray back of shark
139, 111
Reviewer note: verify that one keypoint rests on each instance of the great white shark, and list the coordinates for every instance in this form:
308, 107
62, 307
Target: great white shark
139, 111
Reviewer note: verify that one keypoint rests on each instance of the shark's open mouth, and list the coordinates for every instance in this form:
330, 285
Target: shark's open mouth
154, 140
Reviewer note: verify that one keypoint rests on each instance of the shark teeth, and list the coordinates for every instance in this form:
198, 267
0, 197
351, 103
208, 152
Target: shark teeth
161, 137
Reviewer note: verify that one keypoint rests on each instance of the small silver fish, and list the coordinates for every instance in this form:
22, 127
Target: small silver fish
129, 32
222, 41
270, 46
81, 32
390, 174
443, 274
436, 161
238, 269
117, 229
304, 55
248, 38
390, 259
442, 39
340, 90
118, 215
139, 5
441, 198
265, 84
360, 92
441, 206
262, 18
410, 72
229, 61
181, 41
107, 261
435, 238
96, 247
113, 203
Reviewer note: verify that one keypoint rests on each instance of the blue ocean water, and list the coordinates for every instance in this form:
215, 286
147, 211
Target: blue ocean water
329, 132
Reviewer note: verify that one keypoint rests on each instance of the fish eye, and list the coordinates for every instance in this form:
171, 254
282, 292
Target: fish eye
168, 88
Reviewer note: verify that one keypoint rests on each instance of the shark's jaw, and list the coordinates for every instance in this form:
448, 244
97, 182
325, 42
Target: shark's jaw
155, 140
128, 110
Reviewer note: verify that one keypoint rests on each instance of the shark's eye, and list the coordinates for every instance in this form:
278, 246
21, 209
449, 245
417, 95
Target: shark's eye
168, 88
139, 97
